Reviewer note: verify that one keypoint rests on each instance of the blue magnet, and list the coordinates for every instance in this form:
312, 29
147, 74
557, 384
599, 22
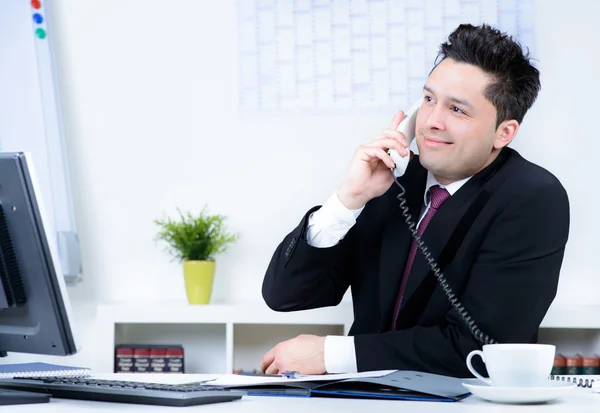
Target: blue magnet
38, 18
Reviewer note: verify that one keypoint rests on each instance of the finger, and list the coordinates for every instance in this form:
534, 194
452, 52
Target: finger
372, 152
390, 143
272, 369
396, 120
395, 134
267, 359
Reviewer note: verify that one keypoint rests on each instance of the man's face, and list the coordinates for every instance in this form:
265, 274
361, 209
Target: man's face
456, 126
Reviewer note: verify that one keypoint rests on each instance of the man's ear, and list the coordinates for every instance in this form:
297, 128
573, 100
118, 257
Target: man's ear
505, 133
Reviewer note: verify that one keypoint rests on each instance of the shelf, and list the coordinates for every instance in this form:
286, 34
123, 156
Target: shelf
221, 337
216, 337
254, 313
559, 316
572, 316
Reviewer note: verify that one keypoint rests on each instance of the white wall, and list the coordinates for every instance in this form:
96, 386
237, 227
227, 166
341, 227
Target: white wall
560, 132
151, 110
150, 105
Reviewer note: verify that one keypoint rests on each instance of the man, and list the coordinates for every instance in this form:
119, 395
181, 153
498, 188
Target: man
496, 223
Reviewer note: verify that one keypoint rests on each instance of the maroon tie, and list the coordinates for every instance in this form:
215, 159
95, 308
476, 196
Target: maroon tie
438, 197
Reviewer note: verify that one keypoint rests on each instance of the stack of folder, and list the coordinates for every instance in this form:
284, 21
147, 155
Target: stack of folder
386, 384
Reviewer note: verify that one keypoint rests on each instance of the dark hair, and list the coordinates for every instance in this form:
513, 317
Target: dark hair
516, 82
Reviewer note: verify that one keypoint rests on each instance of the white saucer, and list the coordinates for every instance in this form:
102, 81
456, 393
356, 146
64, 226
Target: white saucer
517, 395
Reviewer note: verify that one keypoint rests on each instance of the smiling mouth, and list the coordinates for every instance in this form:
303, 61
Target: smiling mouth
435, 142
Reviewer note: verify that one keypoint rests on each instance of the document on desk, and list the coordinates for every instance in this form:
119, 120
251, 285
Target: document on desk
235, 380
384, 384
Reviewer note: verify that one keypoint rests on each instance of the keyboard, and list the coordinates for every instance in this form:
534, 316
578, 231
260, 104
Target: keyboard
189, 394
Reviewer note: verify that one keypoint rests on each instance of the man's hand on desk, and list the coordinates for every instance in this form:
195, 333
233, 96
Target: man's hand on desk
304, 354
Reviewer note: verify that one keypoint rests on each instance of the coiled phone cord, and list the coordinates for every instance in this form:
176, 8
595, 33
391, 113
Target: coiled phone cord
460, 309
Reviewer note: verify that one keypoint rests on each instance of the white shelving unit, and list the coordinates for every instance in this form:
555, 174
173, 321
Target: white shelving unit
220, 338
572, 328
216, 338
565, 316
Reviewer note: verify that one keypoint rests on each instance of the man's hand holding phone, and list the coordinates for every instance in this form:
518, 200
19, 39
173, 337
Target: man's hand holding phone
368, 175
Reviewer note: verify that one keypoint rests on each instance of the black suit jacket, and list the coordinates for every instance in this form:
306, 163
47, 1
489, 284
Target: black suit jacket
505, 271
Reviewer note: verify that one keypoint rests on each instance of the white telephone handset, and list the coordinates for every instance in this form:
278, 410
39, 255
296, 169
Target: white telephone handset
407, 127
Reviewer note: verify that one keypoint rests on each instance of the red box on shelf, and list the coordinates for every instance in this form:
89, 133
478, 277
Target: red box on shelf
141, 360
175, 360
158, 360
124, 360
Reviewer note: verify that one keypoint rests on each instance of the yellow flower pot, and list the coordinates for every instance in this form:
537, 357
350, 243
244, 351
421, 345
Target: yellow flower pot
198, 277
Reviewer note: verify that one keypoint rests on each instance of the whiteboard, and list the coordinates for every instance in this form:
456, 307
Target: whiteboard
30, 116
340, 55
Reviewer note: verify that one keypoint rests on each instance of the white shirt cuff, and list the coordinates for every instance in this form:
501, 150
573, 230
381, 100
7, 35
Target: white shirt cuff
340, 356
328, 225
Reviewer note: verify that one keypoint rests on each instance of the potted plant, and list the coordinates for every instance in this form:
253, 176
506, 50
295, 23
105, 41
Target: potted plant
195, 241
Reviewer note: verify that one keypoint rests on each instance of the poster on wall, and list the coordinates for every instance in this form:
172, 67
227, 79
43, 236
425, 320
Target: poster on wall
354, 55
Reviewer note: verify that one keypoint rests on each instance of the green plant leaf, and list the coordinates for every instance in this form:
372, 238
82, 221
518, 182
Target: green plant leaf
191, 237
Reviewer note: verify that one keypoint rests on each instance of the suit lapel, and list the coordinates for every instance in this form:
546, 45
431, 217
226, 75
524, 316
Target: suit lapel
436, 235
396, 242
444, 222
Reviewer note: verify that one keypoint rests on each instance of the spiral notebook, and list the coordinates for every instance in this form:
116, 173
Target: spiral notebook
587, 381
8, 371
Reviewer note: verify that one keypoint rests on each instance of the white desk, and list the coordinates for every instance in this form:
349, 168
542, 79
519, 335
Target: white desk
580, 401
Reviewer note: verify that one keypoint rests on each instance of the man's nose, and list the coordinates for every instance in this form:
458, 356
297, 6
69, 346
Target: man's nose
436, 118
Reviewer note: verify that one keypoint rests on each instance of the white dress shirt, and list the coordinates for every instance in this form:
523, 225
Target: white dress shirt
326, 227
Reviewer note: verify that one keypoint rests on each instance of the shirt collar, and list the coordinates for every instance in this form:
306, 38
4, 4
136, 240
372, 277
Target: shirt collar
451, 188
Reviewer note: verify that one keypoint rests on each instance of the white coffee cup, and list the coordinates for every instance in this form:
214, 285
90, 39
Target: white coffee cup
515, 365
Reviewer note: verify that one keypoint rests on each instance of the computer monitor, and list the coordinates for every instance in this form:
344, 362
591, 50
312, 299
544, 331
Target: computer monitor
35, 314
